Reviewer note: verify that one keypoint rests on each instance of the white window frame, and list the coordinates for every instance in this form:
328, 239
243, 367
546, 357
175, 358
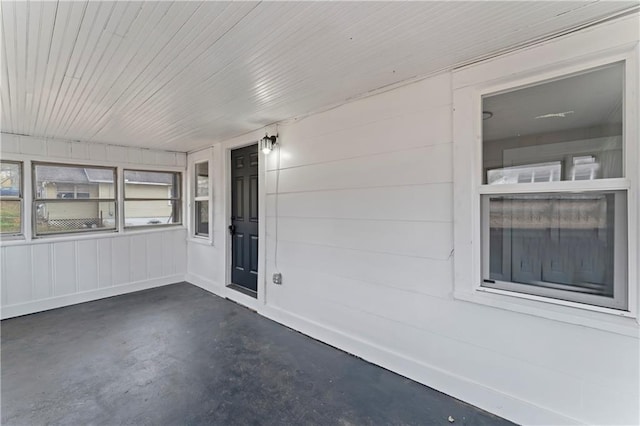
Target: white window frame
20, 197
201, 198
197, 157
612, 42
35, 200
179, 204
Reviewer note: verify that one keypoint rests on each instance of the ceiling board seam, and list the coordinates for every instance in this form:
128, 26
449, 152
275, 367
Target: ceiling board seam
66, 68
193, 60
118, 42
63, 117
125, 91
46, 117
44, 74
96, 108
72, 114
6, 66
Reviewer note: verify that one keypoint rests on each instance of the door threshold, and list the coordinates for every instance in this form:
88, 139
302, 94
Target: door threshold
243, 290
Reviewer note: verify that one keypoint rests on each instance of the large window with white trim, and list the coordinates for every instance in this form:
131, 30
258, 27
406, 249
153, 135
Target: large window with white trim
553, 196
152, 198
73, 198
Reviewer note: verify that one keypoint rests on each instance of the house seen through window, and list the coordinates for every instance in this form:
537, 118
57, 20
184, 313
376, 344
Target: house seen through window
151, 198
73, 198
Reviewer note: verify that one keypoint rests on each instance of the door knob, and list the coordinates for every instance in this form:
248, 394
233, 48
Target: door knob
232, 229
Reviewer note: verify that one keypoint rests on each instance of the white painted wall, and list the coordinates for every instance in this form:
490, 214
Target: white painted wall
55, 271
365, 238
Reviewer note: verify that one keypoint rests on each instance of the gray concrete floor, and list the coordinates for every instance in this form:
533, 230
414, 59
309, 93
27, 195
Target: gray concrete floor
179, 355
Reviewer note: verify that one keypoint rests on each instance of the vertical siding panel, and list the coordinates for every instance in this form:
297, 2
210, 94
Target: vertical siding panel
181, 159
134, 155
32, 146
18, 274
79, 150
138, 258
3, 275
105, 267
97, 152
64, 257
120, 251
154, 255
58, 148
42, 273
88, 265
168, 256
116, 154
166, 158
180, 252
9, 143
149, 157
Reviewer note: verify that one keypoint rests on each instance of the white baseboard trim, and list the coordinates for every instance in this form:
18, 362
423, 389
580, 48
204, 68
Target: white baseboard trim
19, 309
222, 291
491, 400
204, 283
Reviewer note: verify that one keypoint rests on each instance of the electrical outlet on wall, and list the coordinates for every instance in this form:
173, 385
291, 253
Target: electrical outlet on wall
277, 278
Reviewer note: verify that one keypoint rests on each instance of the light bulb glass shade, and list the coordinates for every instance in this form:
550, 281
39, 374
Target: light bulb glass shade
266, 145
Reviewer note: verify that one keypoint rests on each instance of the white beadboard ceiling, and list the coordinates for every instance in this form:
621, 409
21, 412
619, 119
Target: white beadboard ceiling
181, 75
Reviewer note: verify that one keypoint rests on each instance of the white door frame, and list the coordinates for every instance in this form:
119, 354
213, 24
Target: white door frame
232, 294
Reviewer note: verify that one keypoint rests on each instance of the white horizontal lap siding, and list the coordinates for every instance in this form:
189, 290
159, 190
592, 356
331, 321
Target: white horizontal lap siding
61, 270
365, 237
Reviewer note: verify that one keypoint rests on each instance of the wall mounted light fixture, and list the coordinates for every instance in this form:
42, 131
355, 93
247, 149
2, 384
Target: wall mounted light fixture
268, 143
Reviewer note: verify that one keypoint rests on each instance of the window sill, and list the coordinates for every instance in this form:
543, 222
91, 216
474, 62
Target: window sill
204, 241
610, 320
87, 236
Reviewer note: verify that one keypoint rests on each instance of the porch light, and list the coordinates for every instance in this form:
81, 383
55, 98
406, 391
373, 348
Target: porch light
267, 143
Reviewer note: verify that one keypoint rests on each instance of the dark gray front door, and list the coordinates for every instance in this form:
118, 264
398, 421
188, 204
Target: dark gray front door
244, 217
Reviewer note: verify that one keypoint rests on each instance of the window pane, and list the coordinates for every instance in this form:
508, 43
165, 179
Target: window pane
152, 212
142, 184
56, 217
10, 179
202, 179
567, 129
562, 241
68, 182
10, 214
202, 218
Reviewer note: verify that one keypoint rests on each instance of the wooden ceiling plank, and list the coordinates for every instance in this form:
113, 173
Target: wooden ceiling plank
110, 96
106, 45
63, 79
86, 38
10, 85
21, 19
138, 97
119, 69
96, 17
117, 28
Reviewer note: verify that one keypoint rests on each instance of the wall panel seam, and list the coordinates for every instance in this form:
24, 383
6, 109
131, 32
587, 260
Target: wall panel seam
356, 157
